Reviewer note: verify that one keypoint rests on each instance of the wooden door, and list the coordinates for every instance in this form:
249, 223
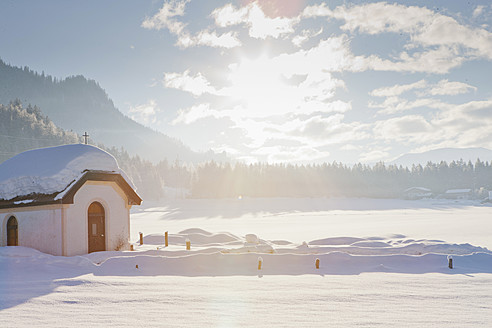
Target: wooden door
96, 228
12, 232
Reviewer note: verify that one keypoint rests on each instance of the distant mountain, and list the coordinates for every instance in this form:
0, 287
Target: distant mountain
444, 154
80, 105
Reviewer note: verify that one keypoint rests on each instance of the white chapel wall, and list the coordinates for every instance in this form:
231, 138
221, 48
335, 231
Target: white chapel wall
117, 217
38, 227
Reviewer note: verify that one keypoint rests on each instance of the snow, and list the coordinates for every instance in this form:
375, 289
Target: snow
383, 263
417, 189
27, 201
51, 170
458, 191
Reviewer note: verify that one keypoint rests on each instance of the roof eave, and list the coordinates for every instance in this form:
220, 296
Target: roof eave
72, 188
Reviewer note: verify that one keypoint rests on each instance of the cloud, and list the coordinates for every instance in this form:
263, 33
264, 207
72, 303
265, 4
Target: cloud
166, 18
398, 89
145, 113
319, 10
466, 116
334, 55
196, 85
447, 88
328, 130
478, 11
229, 15
291, 93
208, 38
331, 55
438, 42
259, 25
305, 35
393, 103
405, 129
462, 125
439, 61
424, 26
195, 113
261, 86
226, 40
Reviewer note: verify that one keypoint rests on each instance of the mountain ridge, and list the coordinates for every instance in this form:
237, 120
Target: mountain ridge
81, 105
448, 155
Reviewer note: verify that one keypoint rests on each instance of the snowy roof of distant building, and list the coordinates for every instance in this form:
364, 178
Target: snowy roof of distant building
54, 171
417, 189
458, 191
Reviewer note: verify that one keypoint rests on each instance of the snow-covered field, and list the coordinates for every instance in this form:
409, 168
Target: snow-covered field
382, 263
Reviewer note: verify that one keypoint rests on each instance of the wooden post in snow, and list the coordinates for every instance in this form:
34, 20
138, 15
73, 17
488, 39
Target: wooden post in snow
166, 239
260, 262
188, 244
141, 238
317, 263
450, 261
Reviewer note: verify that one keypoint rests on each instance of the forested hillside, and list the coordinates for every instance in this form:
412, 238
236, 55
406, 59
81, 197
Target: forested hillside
27, 128
80, 105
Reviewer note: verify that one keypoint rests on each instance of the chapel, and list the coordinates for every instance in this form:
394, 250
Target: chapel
65, 200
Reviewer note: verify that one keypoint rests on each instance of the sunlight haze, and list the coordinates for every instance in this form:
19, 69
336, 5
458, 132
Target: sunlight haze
276, 81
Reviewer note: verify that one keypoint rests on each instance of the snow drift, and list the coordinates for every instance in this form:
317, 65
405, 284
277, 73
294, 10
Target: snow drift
224, 254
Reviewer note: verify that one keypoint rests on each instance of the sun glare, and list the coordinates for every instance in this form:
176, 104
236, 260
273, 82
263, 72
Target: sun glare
257, 84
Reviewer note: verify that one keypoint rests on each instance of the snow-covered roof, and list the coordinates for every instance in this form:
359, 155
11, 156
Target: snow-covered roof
52, 170
458, 191
417, 189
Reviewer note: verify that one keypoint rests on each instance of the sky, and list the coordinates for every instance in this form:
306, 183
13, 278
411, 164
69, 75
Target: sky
276, 80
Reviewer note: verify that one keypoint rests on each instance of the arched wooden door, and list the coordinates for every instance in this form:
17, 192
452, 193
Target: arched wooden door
12, 232
97, 229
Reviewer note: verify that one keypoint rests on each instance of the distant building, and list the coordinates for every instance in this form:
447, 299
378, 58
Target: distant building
417, 193
458, 194
67, 200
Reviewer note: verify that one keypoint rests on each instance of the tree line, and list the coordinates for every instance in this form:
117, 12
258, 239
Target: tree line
23, 128
219, 180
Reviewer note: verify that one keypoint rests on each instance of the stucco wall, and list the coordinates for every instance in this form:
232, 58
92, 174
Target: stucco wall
117, 217
39, 228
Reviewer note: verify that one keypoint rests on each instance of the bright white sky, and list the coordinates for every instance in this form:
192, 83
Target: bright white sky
276, 80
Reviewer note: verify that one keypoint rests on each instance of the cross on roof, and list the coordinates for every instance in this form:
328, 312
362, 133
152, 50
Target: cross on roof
86, 136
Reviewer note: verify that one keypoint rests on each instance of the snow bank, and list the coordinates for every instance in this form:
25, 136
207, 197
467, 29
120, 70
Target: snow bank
224, 254
51, 170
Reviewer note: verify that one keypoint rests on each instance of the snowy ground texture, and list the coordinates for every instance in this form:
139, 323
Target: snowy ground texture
383, 263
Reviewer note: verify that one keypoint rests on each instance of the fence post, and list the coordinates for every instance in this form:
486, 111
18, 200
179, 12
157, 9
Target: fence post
166, 239
317, 263
141, 238
450, 261
188, 244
